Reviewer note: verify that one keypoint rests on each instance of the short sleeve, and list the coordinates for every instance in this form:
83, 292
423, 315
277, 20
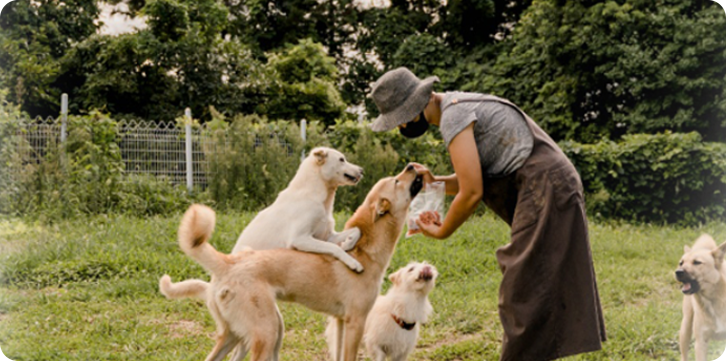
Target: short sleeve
455, 119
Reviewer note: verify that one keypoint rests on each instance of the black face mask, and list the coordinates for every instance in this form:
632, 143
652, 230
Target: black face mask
415, 129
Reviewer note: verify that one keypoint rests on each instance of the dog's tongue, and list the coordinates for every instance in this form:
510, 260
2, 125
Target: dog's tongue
686, 287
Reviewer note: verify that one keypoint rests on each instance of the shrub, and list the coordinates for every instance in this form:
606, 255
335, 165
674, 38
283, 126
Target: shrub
661, 178
84, 175
251, 160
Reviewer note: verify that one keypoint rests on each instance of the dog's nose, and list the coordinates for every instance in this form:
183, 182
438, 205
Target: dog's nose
680, 274
409, 167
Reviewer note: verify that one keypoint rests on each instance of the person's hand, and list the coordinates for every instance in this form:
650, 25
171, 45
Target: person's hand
429, 224
425, 172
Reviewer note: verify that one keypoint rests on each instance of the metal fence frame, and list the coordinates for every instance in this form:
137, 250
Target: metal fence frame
160, 149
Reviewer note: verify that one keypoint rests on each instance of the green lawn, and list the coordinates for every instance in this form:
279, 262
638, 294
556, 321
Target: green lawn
87, 290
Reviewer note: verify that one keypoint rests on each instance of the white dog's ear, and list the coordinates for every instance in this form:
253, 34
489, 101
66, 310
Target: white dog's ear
395, 277
718, 254
686, 249
383, 206
320, 155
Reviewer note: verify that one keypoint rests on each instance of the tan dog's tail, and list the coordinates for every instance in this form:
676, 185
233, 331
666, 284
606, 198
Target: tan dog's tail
183, 289
195, 229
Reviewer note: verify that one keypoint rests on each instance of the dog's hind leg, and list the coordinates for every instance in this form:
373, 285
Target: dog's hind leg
240, 352
280, 334
225, 344
377, 354
339, 339
353, 334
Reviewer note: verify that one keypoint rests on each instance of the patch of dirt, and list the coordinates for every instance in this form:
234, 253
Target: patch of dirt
449, 340
184, 328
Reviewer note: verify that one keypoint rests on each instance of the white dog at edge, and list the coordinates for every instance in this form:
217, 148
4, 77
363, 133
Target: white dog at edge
301, 217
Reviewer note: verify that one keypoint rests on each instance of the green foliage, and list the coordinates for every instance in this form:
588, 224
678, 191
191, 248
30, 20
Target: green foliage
587, 70
662, 178
302, 85
34, 37
85, 175
251, 160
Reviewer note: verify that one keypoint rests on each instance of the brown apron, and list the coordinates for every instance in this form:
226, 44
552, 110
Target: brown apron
548, 300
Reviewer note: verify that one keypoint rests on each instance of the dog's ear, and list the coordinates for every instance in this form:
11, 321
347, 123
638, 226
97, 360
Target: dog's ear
395, 277
686, 249
383, 206
320, 155
718, 254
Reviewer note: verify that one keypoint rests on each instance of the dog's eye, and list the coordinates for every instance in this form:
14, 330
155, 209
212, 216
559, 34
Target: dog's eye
681, 263
410, 269
342, 159
696, 263
396, 181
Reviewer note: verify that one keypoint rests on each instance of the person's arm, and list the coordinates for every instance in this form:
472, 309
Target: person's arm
465, 159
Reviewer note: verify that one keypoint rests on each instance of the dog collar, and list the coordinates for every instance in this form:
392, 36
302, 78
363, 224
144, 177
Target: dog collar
403, 324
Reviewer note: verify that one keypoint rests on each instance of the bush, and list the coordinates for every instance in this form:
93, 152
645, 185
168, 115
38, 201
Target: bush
661, 178
251, 160
85, 175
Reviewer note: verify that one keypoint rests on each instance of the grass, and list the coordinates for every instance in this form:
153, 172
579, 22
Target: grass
86, 289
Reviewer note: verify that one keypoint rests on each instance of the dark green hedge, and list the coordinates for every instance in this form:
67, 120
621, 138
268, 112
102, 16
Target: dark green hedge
662, 178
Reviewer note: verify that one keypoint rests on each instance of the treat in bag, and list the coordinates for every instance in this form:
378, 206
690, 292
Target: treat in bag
431, 198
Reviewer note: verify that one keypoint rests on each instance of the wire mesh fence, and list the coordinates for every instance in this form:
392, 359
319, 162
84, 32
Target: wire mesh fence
147, 147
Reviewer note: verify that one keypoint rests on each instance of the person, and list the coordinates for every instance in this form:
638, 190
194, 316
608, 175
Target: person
549, 305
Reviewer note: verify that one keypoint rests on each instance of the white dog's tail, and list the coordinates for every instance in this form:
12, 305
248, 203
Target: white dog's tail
183, 289
195, 229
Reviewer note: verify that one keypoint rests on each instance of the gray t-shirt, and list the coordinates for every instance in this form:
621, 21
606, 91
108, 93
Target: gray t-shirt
502, 135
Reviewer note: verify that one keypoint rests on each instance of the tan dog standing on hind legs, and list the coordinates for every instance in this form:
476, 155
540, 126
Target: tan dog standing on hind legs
703, 274
246, 285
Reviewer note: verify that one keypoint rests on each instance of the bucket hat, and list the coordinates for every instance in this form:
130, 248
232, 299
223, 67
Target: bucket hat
400, 96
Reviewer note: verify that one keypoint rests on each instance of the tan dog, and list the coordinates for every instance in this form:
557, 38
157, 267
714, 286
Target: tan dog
393, 324
245, 285
703, 274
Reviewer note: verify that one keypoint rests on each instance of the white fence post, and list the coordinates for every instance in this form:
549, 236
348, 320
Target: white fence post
64, 117
303, 135
188, 128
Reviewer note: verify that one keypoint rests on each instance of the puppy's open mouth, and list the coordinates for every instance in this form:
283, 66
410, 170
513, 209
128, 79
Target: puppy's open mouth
425, 275
351, 178
690, 287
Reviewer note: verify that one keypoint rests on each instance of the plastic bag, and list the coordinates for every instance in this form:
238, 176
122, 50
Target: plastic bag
431, 198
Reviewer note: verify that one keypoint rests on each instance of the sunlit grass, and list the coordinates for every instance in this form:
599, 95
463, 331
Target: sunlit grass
86, 289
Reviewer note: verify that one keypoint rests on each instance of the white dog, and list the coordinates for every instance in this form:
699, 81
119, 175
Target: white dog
301, 217
393, 323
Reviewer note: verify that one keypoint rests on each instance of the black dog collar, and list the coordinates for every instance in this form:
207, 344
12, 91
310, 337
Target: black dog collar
403, 324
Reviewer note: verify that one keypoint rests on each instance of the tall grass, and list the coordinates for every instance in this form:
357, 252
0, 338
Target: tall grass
86, 289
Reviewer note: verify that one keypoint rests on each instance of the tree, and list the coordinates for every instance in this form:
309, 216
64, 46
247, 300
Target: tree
181, 60
587, 70
302, 84
34, 35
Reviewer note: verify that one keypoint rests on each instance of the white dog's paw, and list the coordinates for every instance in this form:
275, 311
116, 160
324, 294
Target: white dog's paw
351, 240
354, 265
